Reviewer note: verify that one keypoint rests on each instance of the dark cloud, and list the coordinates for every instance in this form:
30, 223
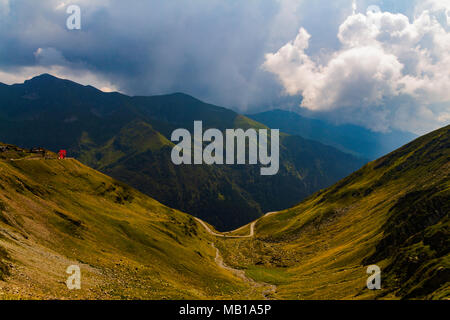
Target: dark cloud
212, 49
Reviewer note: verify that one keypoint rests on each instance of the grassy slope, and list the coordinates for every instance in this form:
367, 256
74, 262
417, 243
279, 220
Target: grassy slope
135, 138
57, 213
393, 213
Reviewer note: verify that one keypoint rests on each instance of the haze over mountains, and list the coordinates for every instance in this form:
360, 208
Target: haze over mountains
348, 138
128, 138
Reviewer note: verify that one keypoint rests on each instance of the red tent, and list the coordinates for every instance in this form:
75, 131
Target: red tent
62, 154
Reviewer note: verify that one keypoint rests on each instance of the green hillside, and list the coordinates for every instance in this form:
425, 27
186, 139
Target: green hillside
394, 212
128, 138
56, 213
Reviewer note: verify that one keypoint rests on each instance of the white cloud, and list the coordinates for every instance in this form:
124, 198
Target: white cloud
385, 60
434, 6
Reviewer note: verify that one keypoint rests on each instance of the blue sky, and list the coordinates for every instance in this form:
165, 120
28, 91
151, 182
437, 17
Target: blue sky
234, 53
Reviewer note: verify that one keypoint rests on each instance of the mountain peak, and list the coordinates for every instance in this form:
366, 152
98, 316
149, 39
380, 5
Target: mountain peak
52, 83
46, 76
43, 77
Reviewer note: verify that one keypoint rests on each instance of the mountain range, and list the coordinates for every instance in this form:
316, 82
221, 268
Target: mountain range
348, 138
392, 213
128, 138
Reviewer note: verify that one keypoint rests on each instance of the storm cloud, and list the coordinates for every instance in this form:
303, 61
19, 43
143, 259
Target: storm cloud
214, 50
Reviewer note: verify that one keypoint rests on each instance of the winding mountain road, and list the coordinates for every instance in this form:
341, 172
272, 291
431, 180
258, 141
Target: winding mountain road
270, 288
250, 235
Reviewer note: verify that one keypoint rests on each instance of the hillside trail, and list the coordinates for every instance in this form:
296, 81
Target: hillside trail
271, 289
36, 159
250, 235
25, 159
267, 293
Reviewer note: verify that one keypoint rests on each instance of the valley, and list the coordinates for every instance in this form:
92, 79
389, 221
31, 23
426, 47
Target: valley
131, 244
393, 213
224, 159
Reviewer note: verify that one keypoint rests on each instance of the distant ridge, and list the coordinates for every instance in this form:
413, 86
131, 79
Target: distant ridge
348, 138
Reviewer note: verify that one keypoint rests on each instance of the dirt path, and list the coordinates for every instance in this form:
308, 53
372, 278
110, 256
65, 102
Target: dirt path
267, 293
208, 229
250, 235
36, 159
271, 289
